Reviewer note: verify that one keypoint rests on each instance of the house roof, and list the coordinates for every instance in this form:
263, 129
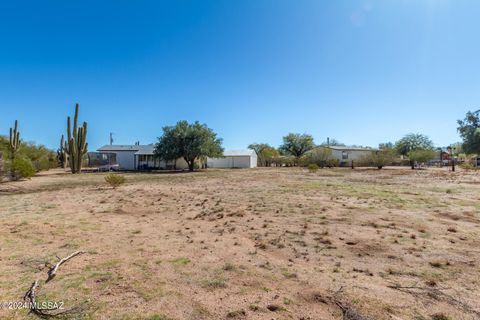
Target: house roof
345, 148
146, 150
123, 147
238, 153
149, 149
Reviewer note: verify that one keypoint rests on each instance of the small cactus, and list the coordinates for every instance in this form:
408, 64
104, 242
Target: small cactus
14, 143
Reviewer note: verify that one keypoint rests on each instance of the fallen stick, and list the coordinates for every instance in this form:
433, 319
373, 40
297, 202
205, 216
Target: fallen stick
53, 270
30, 295
32, 303
437, 294
348, 312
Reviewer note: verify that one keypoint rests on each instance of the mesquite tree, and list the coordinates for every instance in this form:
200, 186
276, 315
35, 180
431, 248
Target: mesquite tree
76, 146
297, 145
408, 145
469, 130
190, 141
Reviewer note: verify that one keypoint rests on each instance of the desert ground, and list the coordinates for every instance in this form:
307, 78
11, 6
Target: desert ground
265, 243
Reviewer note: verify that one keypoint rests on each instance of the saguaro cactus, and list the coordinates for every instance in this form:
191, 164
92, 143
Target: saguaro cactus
62, 155
76, 145
14, 140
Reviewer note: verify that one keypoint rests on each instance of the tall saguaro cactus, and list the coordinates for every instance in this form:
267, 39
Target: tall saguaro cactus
14, 140
76, 145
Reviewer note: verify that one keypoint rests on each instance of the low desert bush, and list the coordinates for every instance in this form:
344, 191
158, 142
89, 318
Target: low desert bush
21, 168
377, 158
115, 180
468, 166
332, 163
312, 167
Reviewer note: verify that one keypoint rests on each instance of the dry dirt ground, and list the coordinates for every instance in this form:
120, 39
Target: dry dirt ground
247, 244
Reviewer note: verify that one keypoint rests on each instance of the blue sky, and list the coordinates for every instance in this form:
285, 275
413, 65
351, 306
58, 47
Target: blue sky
362, 72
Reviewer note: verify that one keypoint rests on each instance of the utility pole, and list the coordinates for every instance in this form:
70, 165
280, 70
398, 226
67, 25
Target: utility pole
452, 158
111, 138
441, 157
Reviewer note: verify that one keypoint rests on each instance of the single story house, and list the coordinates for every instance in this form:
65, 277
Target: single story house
345, 155
234, 159
142, 157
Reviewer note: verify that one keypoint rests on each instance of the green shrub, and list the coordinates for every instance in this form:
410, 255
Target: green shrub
21, 168
378, 158
320, 156
115, 180
332, 163
283, 161
468, 166
312, 167
421, 156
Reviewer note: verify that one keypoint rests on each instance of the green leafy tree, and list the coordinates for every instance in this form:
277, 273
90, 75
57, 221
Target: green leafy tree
190, 141
422, 155
413, 142
469, 130
168, 148
265, 153
296, 145
386, 145
268, 154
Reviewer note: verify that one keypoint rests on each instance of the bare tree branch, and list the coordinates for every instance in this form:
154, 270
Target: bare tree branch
53, 271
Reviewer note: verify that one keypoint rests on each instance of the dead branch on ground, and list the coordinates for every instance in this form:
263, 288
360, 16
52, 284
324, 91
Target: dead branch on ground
30, 295
348, 312
436, 294
53, 271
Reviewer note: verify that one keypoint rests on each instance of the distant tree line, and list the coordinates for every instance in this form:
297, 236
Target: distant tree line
300, 149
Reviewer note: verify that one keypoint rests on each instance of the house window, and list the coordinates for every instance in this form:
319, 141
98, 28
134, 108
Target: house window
344, 155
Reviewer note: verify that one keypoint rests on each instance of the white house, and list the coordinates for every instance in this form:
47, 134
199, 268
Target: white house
234, 159
125, 154
345, 155
142, 157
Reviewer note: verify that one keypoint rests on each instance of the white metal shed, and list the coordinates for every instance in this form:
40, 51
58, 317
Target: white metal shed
234, 159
